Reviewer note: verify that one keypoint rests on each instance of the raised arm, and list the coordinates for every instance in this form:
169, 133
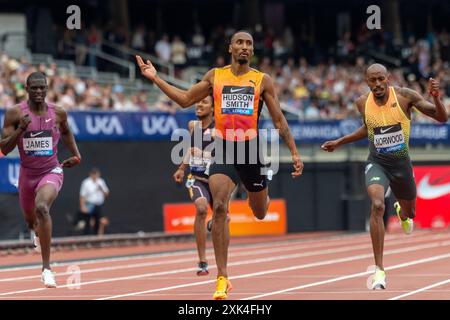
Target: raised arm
280, 123
436, 111
358, 134
68, 139
185, 98
14, 125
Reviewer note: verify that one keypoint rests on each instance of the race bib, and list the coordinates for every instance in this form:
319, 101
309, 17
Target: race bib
38, 143
238, 100
200, 161
389, 139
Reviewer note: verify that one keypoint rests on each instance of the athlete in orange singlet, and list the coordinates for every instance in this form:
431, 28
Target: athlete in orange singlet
239, 92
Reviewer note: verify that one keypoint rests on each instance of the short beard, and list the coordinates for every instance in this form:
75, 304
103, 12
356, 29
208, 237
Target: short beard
242, 61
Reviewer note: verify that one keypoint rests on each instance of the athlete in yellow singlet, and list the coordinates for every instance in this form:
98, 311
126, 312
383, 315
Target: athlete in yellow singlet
239, 92
386, 112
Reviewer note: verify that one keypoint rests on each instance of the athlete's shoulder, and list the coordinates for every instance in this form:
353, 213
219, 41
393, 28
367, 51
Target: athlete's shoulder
257, 71
406, 93
58, 109
363, 98
221, 70
13, 111
361, 101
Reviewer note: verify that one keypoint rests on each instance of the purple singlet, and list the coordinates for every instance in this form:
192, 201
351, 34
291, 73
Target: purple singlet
39, 163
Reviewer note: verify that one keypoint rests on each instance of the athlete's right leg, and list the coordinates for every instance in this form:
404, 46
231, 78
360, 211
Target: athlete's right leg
377, 231
201, 206
377, 183
26, 200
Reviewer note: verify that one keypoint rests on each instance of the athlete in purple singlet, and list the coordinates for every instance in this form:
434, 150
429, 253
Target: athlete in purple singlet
35, 127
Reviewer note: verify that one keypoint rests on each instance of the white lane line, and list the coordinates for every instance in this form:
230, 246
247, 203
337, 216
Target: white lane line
292, 268
237, 247
307, 244
438, 284
355, 275
345, 237
237, 254
245, 262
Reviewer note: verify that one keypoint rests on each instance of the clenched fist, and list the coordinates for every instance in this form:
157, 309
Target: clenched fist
24, 122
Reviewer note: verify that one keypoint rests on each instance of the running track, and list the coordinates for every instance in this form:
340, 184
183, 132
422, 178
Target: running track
317, 266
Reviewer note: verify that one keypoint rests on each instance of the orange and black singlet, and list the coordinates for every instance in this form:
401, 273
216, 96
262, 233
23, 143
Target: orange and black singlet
237, 104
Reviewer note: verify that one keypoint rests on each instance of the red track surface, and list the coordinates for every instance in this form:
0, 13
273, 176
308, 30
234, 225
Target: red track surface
304, 266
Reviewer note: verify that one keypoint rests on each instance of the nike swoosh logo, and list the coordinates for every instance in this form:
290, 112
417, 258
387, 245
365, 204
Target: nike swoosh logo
386, 130
48, 120
236, 90
36, 134
428, 192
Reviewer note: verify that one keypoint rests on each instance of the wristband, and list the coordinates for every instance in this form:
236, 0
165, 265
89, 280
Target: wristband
435, 93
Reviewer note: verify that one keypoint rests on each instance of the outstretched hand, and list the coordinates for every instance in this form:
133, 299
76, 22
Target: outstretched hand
147, 69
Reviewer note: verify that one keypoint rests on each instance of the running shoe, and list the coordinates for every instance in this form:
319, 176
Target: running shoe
408, 224
379, 280
223, 287
202, 269
48, 278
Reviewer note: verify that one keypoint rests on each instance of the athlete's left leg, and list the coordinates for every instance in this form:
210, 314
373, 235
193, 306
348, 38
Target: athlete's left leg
259, 203
256, 185
403, 186
408, 209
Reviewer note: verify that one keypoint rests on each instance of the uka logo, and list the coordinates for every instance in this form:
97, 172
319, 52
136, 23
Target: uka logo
107, 125
163, 125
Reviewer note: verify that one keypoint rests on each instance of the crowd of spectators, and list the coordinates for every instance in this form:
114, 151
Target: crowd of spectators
65, 89
309, 87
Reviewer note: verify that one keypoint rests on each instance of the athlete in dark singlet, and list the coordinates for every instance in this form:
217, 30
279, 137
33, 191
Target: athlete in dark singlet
239, 92
387, 112
199, 161
35, 127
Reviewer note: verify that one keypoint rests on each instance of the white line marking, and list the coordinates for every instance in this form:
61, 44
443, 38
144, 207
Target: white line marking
421, 290
236, 247
355, 275
296, 267
237, 254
